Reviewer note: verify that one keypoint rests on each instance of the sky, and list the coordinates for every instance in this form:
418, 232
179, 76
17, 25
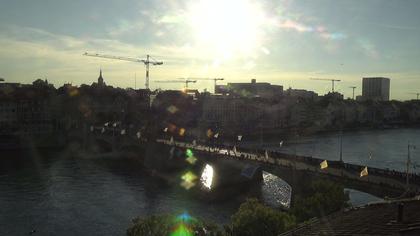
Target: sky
283, 42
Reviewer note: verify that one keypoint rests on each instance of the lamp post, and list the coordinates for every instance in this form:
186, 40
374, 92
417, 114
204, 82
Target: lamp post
409, 146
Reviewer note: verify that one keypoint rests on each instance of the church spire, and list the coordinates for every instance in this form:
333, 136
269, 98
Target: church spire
101, 79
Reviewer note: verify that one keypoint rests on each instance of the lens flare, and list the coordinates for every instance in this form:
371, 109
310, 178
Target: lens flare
182, 132
192, 160
182, 230
189, 179
183, 225
189, 153
209, 133
207, 176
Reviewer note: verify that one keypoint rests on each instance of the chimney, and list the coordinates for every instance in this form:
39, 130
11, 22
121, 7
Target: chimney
400, 216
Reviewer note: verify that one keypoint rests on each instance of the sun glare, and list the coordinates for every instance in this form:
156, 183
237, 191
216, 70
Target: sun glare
227, 28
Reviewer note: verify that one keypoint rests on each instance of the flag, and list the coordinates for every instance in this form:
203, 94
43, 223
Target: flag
216, 135
324, 164
106, 124
138, 135
239, 137
364, 172
281, 144
122, 131
165, 129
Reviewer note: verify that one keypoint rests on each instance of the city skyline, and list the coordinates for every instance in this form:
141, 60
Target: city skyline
280, 42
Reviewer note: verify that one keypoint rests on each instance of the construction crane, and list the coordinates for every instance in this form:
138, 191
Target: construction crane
353, 87
416, 94
214, 79
332, 81
147, 62
187, 81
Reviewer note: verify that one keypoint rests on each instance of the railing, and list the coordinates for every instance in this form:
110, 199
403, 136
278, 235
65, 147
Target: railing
339, 169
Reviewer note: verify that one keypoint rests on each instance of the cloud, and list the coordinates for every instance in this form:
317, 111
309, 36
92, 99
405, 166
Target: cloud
368, 48
321, 31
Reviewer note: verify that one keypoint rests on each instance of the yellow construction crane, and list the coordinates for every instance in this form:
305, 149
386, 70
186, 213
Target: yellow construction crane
147, 62
353, 87
214, 79
332, 81
186, 81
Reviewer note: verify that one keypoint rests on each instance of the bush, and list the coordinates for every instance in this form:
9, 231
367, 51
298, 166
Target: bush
253, 218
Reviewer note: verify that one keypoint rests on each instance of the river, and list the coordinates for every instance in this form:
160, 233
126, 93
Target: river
55, 193
58, 194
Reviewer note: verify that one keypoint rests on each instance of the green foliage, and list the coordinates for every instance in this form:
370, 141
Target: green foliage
253, 218
322, 198
165, 225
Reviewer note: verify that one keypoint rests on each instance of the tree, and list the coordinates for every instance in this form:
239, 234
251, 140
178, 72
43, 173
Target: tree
322, 198
253, 218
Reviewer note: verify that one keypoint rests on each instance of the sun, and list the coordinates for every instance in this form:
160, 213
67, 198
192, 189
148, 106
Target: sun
227, 28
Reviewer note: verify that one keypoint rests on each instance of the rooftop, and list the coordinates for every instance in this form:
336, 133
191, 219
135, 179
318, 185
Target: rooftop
373, 219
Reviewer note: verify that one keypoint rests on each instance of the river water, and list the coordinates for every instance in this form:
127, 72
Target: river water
55, 193
385, 149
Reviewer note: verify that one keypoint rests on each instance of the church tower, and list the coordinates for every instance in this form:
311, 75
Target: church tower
100, 79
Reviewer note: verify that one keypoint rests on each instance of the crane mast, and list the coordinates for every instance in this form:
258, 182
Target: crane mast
147, 62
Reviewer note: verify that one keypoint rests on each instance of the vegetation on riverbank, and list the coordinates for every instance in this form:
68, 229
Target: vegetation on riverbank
252, 218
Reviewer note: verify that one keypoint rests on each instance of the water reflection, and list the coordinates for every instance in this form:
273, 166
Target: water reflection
275, 191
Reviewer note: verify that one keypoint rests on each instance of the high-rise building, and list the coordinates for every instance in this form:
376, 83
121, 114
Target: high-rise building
376, 88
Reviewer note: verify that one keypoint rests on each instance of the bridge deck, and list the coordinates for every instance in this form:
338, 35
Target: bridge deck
386, 178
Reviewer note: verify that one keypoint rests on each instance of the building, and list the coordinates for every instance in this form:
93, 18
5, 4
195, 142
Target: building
376, 88
301, 93
253, 89
101, 81
399, 218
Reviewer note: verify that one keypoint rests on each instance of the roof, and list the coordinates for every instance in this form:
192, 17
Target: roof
373, 219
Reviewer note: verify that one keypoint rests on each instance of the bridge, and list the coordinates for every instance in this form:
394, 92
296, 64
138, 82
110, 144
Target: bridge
298, 170
295, 170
